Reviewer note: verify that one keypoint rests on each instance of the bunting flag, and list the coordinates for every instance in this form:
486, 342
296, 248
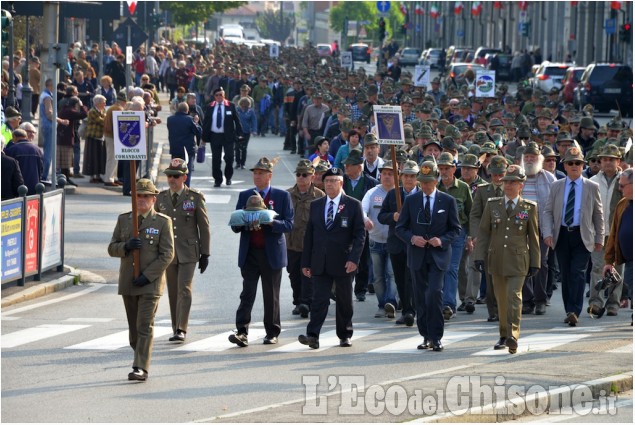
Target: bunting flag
402, 8
419, 9
434, 11
477, 8
523, 5
498, 5
616, 5
458, 7
132, 6
574, 3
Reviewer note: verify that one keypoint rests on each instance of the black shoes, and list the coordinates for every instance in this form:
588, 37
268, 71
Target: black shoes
424, 345
371, 288
437, 346
361, 297
239, 339
469, 308
270, 340
137, 374
500, 345
304, 310
228, 182
179, 336
448, 313
346, 342
528, 309
571, 319
296, 311
493, 318
216, 184
541, 309
409, 319
311, 341
461, 307
511, 344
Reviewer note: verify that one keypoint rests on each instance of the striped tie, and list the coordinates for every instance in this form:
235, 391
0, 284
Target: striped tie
568, 212
329, 216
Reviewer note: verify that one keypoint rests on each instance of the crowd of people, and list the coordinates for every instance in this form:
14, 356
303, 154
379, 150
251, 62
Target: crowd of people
505, 198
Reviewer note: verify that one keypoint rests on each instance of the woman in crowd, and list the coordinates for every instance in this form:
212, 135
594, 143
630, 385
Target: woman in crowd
94, 149
73, 111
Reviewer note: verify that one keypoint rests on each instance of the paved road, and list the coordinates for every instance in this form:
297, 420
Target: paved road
67, 352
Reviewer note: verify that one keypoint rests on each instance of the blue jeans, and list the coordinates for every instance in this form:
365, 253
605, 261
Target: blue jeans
451, 277
282, 131
384, 279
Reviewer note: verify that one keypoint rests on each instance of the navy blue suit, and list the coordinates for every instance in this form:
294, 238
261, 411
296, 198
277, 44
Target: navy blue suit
427, 265
182, 135
326, 253
264, 263
232, 129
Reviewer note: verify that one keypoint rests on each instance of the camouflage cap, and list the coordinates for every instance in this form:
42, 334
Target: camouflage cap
146, 187
532, 148
474, 149
544, 114
428, 172
591, 154
610, 151
305, 166
453, 132
424, 133
410, 167
480, 137
497, 165
551, 130
387, 166
461, 125
564, 136
575, 119
406, 99
178, 167
524, 132
402, 156
370, 139
405, 81
574, 153
264, 164
548, 152
615, 124
354, 158
496, 122
443, 123
515, 173
255, 203
449, 144
346, 125
488, 147
322, 166
470, 161
446, 158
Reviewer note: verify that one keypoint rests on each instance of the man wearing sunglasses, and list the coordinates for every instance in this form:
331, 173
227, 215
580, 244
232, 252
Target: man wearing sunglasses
573, 225
186, 208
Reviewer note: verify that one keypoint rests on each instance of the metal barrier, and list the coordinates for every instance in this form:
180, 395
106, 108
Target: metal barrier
33, 233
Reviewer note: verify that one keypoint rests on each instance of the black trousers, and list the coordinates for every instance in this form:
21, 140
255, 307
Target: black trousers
290, 136
363, 270
403, 281
343, 305
219, 144
535, 288
257, 267
241, 149
300, 284
573, 258
427, 284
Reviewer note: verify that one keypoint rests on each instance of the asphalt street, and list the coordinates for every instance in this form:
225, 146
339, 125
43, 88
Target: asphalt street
65, 356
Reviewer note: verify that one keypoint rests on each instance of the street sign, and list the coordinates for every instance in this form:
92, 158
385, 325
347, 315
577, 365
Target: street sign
137, 36
346, 60
383, 6
389, 124
610, 26
422, 75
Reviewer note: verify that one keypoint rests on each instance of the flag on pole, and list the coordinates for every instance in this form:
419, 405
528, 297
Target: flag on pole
523, 5
419, 9
402, 8
458, 7
132, 6
477, 7
434, 11
498, 5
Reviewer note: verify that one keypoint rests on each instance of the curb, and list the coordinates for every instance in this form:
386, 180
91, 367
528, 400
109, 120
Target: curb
41, 290
562, 397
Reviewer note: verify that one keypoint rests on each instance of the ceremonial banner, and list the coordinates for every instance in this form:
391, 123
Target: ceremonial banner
130, 135
389, 124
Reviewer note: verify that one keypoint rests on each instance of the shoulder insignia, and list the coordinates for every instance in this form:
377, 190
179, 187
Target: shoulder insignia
528, 202
496, 198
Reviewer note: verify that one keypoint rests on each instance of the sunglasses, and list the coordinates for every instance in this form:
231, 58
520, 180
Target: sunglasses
172, 176
576, 163
302, 174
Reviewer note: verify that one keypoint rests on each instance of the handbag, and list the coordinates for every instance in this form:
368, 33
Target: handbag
200, 154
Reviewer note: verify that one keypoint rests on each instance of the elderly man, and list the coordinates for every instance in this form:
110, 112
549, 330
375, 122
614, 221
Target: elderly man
537, 188
141, 294
183, 130
29, 156
109, 141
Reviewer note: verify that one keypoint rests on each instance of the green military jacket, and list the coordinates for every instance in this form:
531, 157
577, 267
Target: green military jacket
463, 195
479, 200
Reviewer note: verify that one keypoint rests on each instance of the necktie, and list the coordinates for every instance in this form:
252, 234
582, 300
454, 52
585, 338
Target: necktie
262, 194
427, 217
499, 192
175, 196
510, 207
139, 220
329, 216
568, 212
219, 117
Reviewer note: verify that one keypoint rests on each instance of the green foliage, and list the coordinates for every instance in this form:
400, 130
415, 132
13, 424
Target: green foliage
365, 11
272, 27
189, 12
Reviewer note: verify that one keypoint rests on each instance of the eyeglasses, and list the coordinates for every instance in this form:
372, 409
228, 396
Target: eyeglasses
622, 186
576, 163
332, 181
302, 174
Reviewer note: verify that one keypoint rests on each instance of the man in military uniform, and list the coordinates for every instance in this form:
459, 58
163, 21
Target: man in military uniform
508, 234
141, 294
497, 169
190, 224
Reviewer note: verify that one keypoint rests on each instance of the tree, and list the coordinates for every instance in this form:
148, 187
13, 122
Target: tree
272, 26
185, 13
364, 11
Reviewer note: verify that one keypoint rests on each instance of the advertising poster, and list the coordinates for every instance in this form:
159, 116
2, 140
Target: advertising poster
52, 231
389, 125
130, 135
12, 241
31, 236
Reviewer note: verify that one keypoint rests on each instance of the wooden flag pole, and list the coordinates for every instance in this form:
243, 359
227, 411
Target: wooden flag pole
393, 154
135, 220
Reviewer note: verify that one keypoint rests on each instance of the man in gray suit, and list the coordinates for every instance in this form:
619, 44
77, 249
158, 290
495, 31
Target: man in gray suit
574, 227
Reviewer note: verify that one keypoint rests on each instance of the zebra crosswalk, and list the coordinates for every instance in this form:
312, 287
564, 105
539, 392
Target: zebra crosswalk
98, 335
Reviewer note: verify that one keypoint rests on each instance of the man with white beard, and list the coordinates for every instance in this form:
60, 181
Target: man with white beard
537, 189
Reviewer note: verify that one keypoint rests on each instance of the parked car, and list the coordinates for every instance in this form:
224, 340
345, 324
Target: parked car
504, 69
456, 73
479, 55
361, 52
324, 50
409, 56
550, 75
451, 54
431, 57
570, 82
606, 86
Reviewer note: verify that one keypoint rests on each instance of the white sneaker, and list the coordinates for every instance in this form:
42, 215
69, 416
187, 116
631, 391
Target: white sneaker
380, 313
389, 309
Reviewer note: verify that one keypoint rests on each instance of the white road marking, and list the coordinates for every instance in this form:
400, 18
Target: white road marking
25, 336
169, 322
409, 345
628, 348
55, 300
536, 343
220, 342
89, 319
9, 318
115, 341
327, 340
216, 199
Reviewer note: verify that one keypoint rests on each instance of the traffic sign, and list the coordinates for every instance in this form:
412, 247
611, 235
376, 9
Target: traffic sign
610, 26
137, 36
460, 33
383, 6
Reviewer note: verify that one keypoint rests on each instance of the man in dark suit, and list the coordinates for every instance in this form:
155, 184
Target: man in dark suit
262, 255
11, 177
221, 128
428, 224
183, 130
333, 244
